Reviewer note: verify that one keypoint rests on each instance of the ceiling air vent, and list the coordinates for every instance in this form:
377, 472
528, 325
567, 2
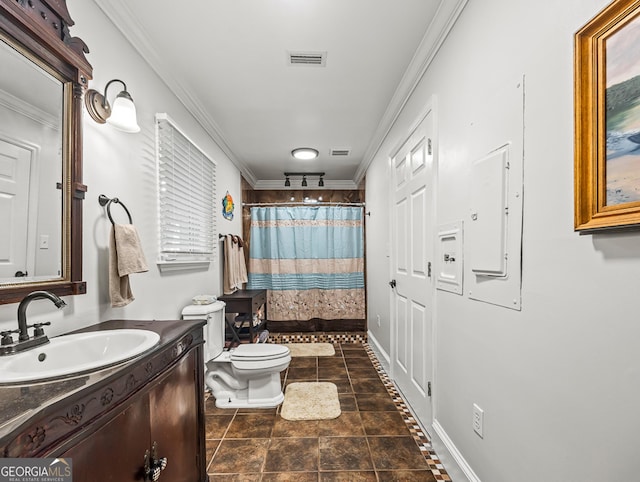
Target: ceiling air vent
308, 58
340, 152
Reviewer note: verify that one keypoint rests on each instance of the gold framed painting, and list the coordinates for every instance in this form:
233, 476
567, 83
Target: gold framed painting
607, 119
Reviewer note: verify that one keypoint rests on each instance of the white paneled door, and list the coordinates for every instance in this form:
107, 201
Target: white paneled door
15, 169
412, 248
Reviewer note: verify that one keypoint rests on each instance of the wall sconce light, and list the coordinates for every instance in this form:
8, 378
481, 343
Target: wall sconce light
122, 115
305, 153
287, 175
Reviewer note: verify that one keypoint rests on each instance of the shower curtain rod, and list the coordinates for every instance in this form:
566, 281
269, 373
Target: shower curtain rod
302, 203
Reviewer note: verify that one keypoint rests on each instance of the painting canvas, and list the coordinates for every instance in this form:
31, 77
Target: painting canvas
607, 120
622, 96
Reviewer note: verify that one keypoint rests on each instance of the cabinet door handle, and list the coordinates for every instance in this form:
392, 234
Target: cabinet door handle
153, 466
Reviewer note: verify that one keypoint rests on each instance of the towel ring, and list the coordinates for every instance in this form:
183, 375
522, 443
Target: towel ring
104, 200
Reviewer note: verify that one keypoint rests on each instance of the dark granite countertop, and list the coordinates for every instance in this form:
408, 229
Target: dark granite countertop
18, 403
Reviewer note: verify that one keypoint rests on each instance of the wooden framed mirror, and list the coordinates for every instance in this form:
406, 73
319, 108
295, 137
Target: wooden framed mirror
41, 189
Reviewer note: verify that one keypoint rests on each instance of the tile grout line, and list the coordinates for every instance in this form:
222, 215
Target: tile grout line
435, 466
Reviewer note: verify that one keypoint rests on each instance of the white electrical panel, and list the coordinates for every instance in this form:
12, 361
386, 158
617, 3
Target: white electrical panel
493, 228
487, 228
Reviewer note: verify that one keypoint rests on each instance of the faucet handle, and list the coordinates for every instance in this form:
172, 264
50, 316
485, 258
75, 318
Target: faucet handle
7, 339
38, 331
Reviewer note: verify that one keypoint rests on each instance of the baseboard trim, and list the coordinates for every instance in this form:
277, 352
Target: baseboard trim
456, 465
381, 354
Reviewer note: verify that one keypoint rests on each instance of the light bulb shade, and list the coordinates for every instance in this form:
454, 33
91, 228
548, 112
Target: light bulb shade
123, 113
305, 153
287, 182
304, 181
321, 182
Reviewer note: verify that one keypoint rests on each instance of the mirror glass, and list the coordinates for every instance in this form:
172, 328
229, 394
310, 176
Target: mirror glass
31, 170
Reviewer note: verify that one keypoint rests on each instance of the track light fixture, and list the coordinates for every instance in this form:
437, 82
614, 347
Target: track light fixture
288, 175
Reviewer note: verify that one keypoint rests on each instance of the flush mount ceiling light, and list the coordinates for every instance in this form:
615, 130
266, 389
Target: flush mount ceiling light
122, 115
305, 153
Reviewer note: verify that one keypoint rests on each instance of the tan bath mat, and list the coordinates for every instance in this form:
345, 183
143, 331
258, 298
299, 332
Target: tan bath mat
310, 401
311, 349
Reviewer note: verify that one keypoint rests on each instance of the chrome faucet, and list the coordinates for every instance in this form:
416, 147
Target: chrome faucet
7, 346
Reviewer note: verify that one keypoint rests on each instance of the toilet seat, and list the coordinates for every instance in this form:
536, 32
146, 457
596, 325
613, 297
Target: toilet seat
258, 351
262, 355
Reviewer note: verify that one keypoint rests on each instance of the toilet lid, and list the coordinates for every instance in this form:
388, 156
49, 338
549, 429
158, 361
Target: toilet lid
259, 352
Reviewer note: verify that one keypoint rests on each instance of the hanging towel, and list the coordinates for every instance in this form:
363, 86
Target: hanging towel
125, 258
235, 268
241, 265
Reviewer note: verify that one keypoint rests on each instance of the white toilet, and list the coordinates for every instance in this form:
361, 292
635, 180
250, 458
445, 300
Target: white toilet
247, 376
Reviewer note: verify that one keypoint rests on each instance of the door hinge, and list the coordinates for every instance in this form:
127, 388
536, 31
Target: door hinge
428, 389
429, 269
429, 148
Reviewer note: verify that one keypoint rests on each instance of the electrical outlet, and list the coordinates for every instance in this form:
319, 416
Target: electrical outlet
44, 241
378, 320
478, 420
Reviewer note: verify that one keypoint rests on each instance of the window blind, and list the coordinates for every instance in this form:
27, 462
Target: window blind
186, 196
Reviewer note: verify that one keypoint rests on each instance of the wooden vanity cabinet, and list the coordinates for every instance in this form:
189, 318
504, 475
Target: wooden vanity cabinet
164, 414
107, 422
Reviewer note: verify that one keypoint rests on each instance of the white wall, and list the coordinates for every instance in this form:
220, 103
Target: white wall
559, 381
123, 165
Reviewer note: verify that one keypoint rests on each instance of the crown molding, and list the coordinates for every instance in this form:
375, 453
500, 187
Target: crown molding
444, 20
123, 19
23, 107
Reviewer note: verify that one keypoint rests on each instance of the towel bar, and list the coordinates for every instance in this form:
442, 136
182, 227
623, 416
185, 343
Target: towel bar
104, 200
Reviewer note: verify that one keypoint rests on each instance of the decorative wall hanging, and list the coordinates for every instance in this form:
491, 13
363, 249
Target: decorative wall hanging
607, 119
227, 206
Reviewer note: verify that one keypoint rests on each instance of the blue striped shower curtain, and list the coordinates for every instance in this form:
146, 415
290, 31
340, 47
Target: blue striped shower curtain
311, 259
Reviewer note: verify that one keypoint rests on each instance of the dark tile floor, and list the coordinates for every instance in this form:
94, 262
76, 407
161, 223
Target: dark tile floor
374, 439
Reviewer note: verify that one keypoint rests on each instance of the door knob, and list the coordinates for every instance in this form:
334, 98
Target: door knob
392, 283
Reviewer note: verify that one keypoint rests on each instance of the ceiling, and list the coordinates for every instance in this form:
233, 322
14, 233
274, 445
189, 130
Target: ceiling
228, 62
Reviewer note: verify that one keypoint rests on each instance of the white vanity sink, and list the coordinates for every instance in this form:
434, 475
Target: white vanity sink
70, 355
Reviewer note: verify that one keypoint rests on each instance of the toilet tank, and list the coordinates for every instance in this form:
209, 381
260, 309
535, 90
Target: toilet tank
214, 330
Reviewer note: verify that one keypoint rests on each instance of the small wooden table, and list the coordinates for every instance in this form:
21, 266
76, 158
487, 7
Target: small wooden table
246, 301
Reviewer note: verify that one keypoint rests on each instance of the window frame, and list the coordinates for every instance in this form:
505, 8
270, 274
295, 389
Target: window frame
168, 260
